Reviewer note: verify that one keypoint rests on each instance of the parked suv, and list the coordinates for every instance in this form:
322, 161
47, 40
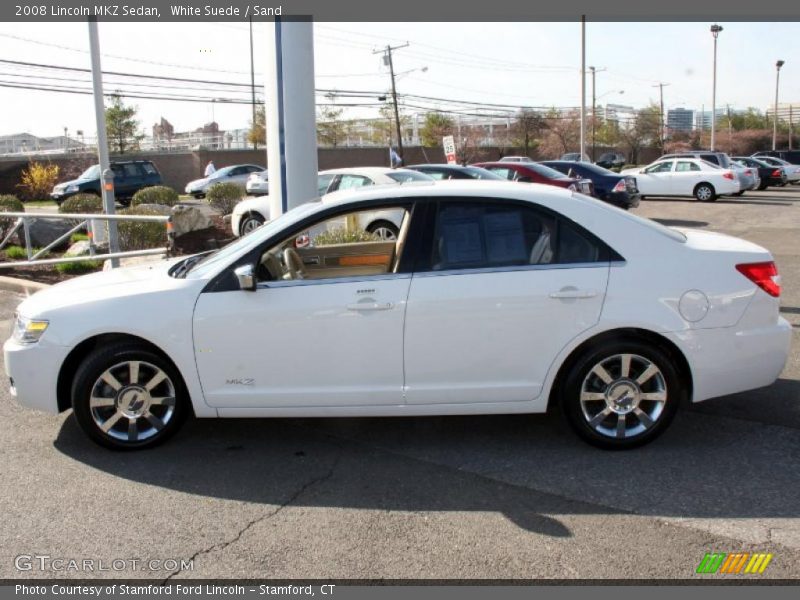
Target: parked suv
715, 158
611, 160
130, 176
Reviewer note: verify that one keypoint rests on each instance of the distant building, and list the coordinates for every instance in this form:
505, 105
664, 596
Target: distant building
24, 143
787, 112
680, 119
702, 118
618, 112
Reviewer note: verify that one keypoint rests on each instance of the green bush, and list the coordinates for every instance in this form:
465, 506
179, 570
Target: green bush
157, 194
79, 237
224, 196
16, 253
78, 268
9, 203
141, 235
82, 204
344, 236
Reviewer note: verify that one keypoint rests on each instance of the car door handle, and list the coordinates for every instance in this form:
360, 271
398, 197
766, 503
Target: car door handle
570, 293
362, 306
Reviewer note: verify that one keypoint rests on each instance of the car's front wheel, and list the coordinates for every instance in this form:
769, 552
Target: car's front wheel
622, 395
127, 397
250, 222
384, 230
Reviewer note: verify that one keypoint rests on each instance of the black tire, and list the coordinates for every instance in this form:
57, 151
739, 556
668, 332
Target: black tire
739, 193
384, 229
131, 396
762, 187
666, 382
705, 192
253, 220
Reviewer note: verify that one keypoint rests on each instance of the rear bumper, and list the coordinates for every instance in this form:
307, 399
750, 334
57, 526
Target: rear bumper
622, 199
728, 360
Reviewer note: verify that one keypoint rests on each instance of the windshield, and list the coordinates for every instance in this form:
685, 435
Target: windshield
208, 264
546, 171
408, 175
481, 173
92, 172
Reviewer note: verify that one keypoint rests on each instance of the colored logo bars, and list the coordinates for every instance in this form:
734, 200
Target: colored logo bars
734, 564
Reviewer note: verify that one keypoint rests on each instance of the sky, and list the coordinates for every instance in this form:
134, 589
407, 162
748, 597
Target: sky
530, 64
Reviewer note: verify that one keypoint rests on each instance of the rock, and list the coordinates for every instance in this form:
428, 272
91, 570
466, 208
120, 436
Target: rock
80, 248
188, 218
46, 231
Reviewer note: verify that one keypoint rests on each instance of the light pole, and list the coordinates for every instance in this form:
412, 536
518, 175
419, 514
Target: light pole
778, 66
594, 109
715, 29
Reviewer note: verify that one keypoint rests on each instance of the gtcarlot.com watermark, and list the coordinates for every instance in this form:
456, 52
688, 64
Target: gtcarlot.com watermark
45, 563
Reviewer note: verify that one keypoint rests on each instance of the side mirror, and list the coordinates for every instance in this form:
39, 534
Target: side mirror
245, 275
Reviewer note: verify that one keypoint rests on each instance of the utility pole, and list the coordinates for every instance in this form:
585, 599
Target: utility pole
791, 129
594, 108
730, 129
582, 150
106, 174
660, 87
253, 84
388, 60
715, 31
778, 66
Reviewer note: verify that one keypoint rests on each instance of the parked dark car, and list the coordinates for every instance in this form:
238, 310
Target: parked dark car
611, 160
769, 174
130, 176
790, 156
537, 173
455, 172
616, 189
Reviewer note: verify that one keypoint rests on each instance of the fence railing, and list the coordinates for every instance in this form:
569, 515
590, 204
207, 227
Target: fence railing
85, 223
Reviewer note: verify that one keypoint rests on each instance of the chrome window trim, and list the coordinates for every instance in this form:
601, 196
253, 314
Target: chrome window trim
330, 280
513, 268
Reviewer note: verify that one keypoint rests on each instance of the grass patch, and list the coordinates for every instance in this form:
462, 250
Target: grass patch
79, 237
78, 268
16, 253
42, 203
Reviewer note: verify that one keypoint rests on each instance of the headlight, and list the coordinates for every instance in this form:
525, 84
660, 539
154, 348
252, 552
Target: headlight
71, 188
28, 331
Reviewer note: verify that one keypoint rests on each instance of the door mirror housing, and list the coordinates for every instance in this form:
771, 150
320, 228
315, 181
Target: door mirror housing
246, 277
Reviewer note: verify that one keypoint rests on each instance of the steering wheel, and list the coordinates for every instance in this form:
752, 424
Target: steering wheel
294, 264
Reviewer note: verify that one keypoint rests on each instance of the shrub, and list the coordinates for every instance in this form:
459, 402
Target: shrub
141, 235
79, 237
78, 268
344, 236
16, 253
224, 196
38, 180
157, 194
82, 204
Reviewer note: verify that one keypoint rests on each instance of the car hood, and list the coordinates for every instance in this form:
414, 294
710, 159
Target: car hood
97, 287
201, 181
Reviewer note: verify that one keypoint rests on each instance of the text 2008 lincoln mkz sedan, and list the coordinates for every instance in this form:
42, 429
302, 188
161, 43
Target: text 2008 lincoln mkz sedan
495, 298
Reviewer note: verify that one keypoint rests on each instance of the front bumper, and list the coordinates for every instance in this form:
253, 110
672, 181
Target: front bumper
33, 369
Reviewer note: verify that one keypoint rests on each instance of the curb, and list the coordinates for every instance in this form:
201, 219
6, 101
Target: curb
21, 286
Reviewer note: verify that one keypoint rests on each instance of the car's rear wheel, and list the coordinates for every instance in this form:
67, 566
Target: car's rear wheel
705, 192
250, 222
126, 397
622, 395
384, 230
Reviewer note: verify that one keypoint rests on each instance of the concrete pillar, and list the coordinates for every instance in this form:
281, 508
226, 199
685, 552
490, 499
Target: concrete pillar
290, 115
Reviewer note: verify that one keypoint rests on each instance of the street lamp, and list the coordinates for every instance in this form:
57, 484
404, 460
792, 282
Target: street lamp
715, 29
778, 66
594, 109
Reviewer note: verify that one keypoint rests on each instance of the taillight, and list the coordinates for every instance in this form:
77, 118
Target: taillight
729, 175
620, 187
764, 275
776, 173
749, 172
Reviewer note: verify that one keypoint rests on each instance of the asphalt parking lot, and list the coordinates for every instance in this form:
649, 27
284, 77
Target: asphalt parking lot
458, 497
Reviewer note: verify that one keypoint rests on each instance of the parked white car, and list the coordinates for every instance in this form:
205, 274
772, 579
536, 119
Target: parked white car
685, 177
233, 174
258, 183
251, 213
495, 298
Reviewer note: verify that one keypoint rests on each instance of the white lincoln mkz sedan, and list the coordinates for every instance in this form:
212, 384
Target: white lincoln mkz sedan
494, 298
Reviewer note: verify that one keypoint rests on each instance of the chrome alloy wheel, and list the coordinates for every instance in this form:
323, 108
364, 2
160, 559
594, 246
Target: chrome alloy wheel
132, 401
623, 396
251, 224
704, 193
386, 234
